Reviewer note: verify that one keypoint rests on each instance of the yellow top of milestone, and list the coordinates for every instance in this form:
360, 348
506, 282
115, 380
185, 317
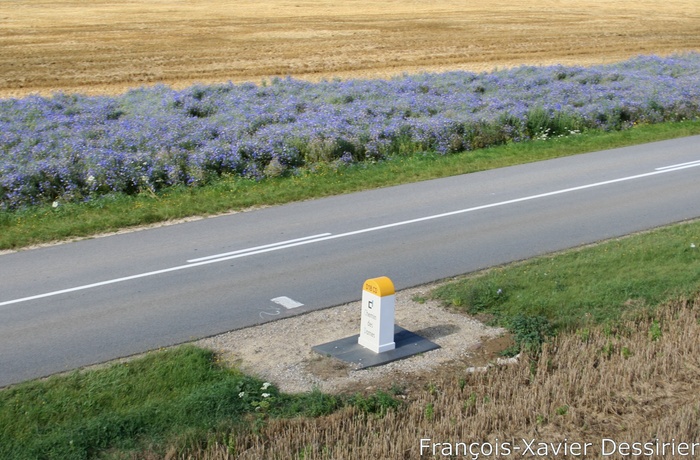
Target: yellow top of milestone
381, 286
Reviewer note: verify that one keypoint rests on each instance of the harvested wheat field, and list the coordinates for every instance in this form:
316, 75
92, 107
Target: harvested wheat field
603, 393
106, 47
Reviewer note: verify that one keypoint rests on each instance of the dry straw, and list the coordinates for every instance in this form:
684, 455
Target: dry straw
636, 382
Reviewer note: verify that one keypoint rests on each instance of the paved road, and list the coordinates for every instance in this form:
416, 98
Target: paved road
74, 304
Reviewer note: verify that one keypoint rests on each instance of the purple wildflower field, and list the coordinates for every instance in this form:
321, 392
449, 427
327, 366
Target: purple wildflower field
73, 147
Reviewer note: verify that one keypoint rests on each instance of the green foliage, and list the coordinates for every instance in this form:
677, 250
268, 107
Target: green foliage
484, 296
655, 331
608, 350
185, 394
530, 332
378, 403
479, 296
471, 401
325, 175
542, 124
397, 390
462, 383
626, 352
312, 404
429, 411
577, 289
584, 334
181, 395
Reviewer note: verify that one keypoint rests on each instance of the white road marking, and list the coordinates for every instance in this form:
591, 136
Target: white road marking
689, 164
329, 236
241, 251
286, 302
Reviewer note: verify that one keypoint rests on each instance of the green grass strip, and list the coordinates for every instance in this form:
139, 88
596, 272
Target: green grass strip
600, 284
180, 395
46, 224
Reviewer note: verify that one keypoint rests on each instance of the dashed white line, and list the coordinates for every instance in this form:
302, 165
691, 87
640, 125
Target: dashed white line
689, 164
257, 248
287, 303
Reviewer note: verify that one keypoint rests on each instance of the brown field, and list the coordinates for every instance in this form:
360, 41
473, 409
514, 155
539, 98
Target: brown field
108, 46
634, 384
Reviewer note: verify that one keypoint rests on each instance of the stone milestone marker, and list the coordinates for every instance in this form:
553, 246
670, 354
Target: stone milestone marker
380, 341
378, 308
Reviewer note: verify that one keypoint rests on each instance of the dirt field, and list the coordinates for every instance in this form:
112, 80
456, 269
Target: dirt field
108, 46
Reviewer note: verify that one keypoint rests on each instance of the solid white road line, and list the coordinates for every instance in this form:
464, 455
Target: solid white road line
329, 236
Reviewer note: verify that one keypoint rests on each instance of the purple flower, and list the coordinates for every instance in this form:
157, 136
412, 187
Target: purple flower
74, 147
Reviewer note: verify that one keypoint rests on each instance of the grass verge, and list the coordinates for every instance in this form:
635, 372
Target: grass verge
46, 224
180, 397
577, 289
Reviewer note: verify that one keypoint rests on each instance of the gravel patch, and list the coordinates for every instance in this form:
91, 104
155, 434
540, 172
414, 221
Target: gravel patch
280, 351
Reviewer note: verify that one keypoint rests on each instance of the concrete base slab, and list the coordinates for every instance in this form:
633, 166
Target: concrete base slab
348, 350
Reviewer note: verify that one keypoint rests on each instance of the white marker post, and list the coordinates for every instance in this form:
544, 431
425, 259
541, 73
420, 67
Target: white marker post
377, 323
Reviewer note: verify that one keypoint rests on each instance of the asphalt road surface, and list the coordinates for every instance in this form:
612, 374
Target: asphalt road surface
70, 305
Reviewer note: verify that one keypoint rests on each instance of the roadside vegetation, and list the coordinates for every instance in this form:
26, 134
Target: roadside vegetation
180, 398
46, 223
608, 335
74, 148
73, 165
606, 283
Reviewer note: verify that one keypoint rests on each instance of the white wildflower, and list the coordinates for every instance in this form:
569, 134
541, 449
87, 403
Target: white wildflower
54, 204
265, 395
265, 386
241, 394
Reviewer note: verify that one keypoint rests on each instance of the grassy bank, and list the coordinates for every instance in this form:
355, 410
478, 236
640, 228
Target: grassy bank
613, 342
45, 224
180, 398
602, 284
